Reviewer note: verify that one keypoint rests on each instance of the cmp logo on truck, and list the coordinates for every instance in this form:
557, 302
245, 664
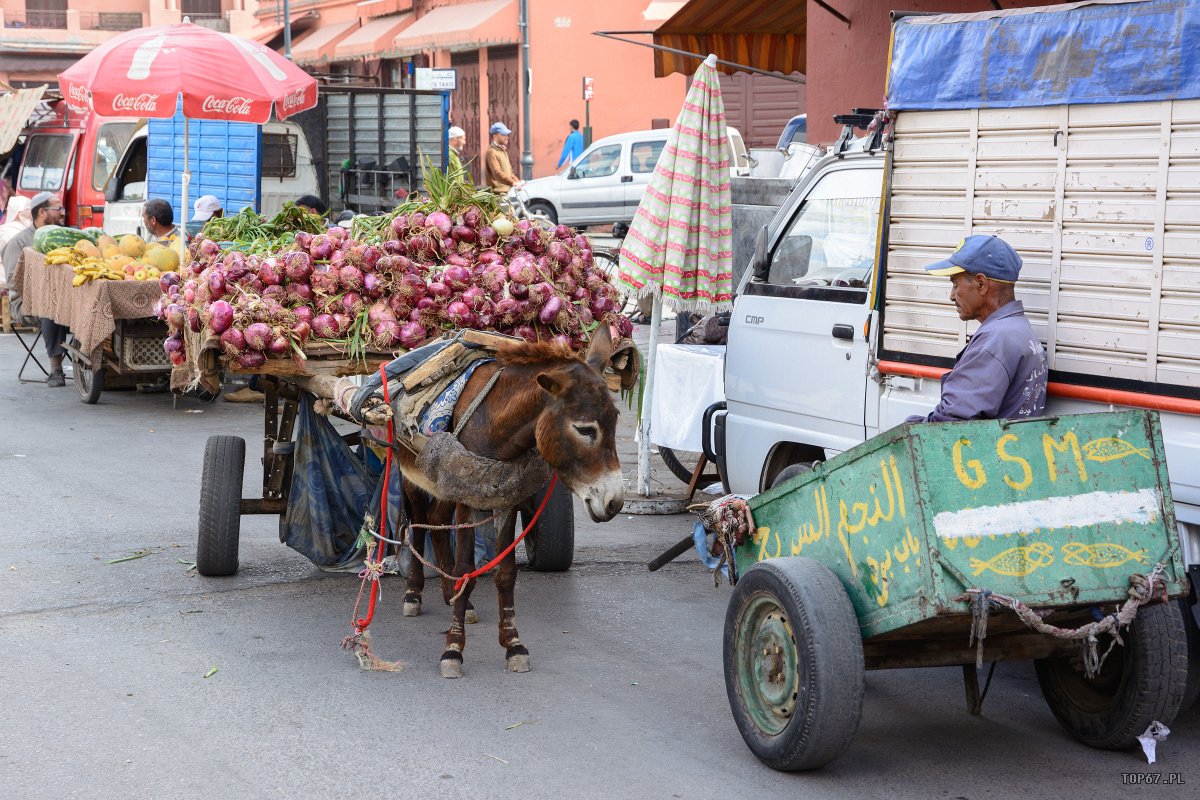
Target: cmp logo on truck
238, 106
753, 320
141, 102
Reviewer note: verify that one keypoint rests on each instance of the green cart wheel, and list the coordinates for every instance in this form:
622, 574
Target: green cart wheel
793, 663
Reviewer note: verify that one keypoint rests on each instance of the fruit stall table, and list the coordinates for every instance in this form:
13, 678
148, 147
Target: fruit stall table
114, 335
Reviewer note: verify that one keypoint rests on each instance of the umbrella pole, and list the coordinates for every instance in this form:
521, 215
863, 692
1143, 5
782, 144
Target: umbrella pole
648, 401
187, 178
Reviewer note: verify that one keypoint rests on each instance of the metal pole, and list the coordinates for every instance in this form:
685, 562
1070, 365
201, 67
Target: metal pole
648, 400
287, 29
617, 36
527, 85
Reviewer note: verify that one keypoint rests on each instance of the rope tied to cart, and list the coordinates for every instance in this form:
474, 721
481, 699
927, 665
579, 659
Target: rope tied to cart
1142, 590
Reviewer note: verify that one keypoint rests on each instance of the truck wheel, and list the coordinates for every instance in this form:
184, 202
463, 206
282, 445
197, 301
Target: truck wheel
1141, 682
220, 506
1192, 630
550, 546
793, 663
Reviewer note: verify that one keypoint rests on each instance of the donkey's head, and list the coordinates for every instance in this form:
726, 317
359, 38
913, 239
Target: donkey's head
576, 431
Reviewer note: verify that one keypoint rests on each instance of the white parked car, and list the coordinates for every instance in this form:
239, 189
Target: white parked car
605, 184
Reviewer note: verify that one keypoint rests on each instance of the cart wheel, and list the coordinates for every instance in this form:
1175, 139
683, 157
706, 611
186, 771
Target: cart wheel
220, 505
1141, 682
89, 380
551, 544
793, 663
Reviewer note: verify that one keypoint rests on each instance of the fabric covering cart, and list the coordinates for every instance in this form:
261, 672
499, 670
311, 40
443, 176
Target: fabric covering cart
1051, 539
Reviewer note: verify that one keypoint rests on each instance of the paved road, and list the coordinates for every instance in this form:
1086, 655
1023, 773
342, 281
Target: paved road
103, 694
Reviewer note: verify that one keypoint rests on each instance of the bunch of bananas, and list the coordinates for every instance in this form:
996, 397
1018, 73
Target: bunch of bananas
91, 269
65, 255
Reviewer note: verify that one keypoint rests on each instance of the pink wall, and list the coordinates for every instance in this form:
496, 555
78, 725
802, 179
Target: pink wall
563, 50
847, 66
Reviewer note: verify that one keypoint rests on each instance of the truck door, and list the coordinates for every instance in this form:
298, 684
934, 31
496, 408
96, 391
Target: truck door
796, 365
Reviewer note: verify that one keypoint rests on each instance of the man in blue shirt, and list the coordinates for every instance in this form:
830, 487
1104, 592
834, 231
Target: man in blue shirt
1001, 373
572, 147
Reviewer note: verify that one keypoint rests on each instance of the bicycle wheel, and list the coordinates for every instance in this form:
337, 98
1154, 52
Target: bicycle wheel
682, 463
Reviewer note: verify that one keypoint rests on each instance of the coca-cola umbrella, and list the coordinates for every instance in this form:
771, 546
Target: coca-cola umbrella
144, 72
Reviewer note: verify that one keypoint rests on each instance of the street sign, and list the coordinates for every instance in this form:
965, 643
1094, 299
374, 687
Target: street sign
587, 89
439, 79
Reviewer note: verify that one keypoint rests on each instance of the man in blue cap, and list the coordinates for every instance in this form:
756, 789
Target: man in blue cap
497, 168
1001, 373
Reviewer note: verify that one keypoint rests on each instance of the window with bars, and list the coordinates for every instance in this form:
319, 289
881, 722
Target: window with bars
279, 155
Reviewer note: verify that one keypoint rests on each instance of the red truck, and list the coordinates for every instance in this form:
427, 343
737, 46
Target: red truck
72, 155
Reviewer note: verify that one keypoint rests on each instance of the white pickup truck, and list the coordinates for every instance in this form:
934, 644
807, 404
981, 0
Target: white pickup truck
838, 334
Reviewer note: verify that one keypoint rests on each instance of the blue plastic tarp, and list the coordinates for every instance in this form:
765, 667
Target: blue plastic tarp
1083, 53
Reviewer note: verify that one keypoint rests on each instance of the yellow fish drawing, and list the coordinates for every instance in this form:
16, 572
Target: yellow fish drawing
1101, 556
1110, 449
1017, 562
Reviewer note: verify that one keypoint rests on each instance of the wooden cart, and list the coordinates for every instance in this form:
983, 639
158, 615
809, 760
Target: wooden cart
893, 553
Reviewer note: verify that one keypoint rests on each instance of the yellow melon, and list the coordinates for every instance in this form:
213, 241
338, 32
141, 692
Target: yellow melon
132, 245
109, 249
118, 260
104, 239
87, 249
165, 258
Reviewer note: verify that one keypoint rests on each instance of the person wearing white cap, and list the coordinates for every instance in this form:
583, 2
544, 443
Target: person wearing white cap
500, 177
45, 209
457, 139
205, 208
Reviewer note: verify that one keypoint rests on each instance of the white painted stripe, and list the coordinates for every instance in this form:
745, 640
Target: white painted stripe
1078, 511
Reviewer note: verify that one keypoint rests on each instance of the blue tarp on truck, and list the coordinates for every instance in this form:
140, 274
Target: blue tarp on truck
224, 158
1097, 52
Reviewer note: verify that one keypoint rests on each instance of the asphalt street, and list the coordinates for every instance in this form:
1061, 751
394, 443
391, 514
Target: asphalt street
108, 688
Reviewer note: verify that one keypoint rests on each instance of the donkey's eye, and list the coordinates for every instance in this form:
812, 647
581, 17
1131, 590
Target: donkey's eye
589, 431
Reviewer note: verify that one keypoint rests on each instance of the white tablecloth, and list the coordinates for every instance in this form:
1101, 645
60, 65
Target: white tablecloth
688, 378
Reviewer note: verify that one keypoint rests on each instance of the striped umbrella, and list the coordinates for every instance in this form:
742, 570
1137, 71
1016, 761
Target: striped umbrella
679, 248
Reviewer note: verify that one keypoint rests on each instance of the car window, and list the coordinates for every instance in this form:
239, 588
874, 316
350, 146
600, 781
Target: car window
644, 155
600, 162
832, 239
110, 143
45, 162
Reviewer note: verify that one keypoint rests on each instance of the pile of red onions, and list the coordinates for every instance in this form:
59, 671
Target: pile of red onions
432, 273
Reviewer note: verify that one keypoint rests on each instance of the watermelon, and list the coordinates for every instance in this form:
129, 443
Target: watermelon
48, 237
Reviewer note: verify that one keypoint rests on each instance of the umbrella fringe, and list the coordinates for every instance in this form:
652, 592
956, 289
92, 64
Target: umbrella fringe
675, 304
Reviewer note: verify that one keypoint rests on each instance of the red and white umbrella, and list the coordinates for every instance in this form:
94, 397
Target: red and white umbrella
144, 72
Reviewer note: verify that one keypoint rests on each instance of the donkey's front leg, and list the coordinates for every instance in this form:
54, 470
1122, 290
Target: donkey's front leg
516, 655
456, 637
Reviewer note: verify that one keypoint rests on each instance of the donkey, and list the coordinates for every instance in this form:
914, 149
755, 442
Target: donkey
547, 401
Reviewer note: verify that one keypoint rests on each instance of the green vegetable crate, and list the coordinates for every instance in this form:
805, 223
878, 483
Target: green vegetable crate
865, 562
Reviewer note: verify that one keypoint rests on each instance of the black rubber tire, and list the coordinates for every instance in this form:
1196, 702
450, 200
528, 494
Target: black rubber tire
829, 678
680, 462
1191, 629
545, 209
89, 382
550, 546
789, 472
1138, 683
220, 506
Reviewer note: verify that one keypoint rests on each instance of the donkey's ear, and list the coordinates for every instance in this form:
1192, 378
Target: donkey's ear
557, 383
600, 349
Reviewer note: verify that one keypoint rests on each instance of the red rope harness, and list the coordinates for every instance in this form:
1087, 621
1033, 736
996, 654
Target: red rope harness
488, 567
372, 573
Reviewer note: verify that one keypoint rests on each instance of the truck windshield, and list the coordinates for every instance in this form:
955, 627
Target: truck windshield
831, 241
45, 162
110, 143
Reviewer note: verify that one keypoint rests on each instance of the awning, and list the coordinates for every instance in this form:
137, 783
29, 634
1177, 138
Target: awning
318, 47
466, 26
765, 34
374, 39
15, 108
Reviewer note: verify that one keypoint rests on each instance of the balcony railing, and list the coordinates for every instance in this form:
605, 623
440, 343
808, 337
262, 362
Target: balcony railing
61, 20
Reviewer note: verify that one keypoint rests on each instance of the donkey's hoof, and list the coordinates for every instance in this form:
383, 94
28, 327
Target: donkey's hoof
451, 668
470, 617
412, 609
518, 662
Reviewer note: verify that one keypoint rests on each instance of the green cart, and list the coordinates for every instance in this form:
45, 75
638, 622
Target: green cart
956, 544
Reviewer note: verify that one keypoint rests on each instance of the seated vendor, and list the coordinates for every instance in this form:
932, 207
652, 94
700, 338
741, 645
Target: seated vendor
159, 220
46, 209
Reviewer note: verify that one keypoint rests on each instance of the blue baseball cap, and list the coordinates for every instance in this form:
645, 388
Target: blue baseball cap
981, 255
499, 127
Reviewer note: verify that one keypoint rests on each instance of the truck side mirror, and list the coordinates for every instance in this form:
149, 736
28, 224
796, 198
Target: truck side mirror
760, 264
